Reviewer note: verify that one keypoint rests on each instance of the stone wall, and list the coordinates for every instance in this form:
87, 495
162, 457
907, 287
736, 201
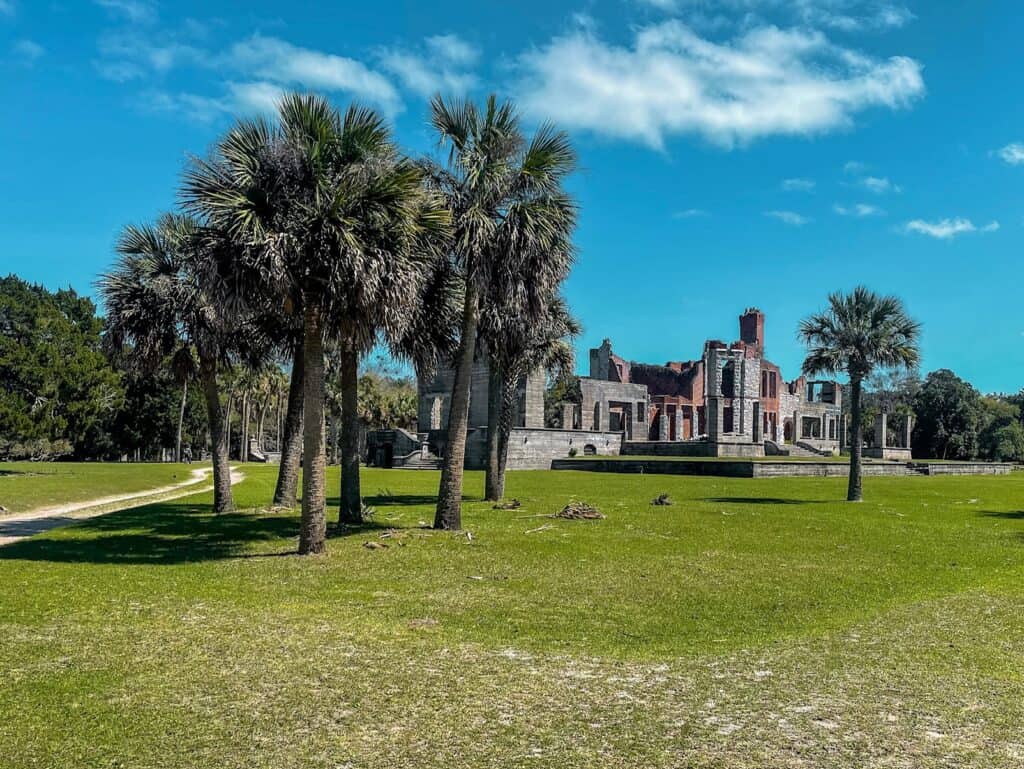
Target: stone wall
535, 448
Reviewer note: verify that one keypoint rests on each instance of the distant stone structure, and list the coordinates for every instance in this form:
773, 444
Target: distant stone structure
891, 443
732, 401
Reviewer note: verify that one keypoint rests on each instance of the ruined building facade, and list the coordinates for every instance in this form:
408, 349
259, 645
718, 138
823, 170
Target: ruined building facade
732, 401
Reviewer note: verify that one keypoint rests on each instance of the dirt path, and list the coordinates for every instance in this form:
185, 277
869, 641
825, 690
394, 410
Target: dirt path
45, 518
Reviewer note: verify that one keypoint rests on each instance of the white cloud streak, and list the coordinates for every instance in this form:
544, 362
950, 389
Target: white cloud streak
1012, 153
947, 229
442, 66
134, 11
690, 213
670, 81
859, 210
788, 217
28, 51
798, 185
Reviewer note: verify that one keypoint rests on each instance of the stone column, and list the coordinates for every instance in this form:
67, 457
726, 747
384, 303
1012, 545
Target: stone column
663, 423
714, 419
909, 427
881, 431
756, 419
844, 426
679, 423
568, 416
824, 427
797, 427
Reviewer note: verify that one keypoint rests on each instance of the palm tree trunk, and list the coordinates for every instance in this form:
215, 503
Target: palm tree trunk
291, 447
508, 397
313, 524
181, 420
219, 437
855, 491
351, 497
449, 496
495, 380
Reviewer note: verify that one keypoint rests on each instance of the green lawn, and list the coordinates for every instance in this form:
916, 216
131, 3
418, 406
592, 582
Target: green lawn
26, 486
754, 623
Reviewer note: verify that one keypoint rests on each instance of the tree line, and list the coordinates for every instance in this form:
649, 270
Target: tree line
312, 237
64, 395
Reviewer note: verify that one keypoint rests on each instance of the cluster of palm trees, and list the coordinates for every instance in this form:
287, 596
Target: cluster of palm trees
312, 237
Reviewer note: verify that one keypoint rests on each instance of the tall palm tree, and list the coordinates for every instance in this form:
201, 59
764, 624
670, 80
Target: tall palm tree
501, 190
530, 344
160, 294
330, 211
858, 333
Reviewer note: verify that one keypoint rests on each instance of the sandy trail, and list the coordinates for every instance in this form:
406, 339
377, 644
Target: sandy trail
43, 519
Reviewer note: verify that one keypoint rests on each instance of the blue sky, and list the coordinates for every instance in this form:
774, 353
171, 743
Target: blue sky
734, 153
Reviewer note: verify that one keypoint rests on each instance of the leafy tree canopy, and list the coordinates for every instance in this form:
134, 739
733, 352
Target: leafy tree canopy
56, 386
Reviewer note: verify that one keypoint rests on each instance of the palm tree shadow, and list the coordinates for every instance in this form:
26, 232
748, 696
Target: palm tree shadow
1010, 515
159, 534
760, 501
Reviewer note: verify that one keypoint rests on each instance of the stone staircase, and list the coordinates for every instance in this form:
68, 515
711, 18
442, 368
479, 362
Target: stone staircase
416, 461
773, 449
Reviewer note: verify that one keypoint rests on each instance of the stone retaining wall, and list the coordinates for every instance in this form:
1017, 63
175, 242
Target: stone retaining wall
746, 469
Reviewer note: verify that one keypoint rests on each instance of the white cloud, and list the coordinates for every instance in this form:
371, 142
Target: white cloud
946, 229
854, 167
788, 217
128, 55
798, 185
277, 61
859, 210
6, 8
670, 81
842, 15
1012, 153
668, 6
452, 48
690, 213
240, 98
880, 185
134, 11
28, 51
440, 67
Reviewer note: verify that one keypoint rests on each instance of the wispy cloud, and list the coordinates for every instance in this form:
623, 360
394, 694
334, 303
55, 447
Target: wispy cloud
442, 65
134, 11
690, 213
798, 185
6, 8
1012, 153
669, 80
858, 210
880, 185
277, 61
842, 15
788, 217
28, 51
946, 229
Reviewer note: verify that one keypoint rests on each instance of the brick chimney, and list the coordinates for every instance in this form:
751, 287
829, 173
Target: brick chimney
752, 329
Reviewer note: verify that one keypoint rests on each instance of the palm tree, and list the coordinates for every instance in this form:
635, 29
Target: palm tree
331, 212
859, 332
160, 295
501, 190
528, 345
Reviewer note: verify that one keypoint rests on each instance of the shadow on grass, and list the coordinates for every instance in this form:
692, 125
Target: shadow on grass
158, 534
1010, 515
761, 501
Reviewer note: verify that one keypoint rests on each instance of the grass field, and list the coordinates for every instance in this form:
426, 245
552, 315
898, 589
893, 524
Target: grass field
754, 623
26, 486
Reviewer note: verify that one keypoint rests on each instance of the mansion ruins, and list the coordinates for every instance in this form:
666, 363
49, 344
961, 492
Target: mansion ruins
731, 402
